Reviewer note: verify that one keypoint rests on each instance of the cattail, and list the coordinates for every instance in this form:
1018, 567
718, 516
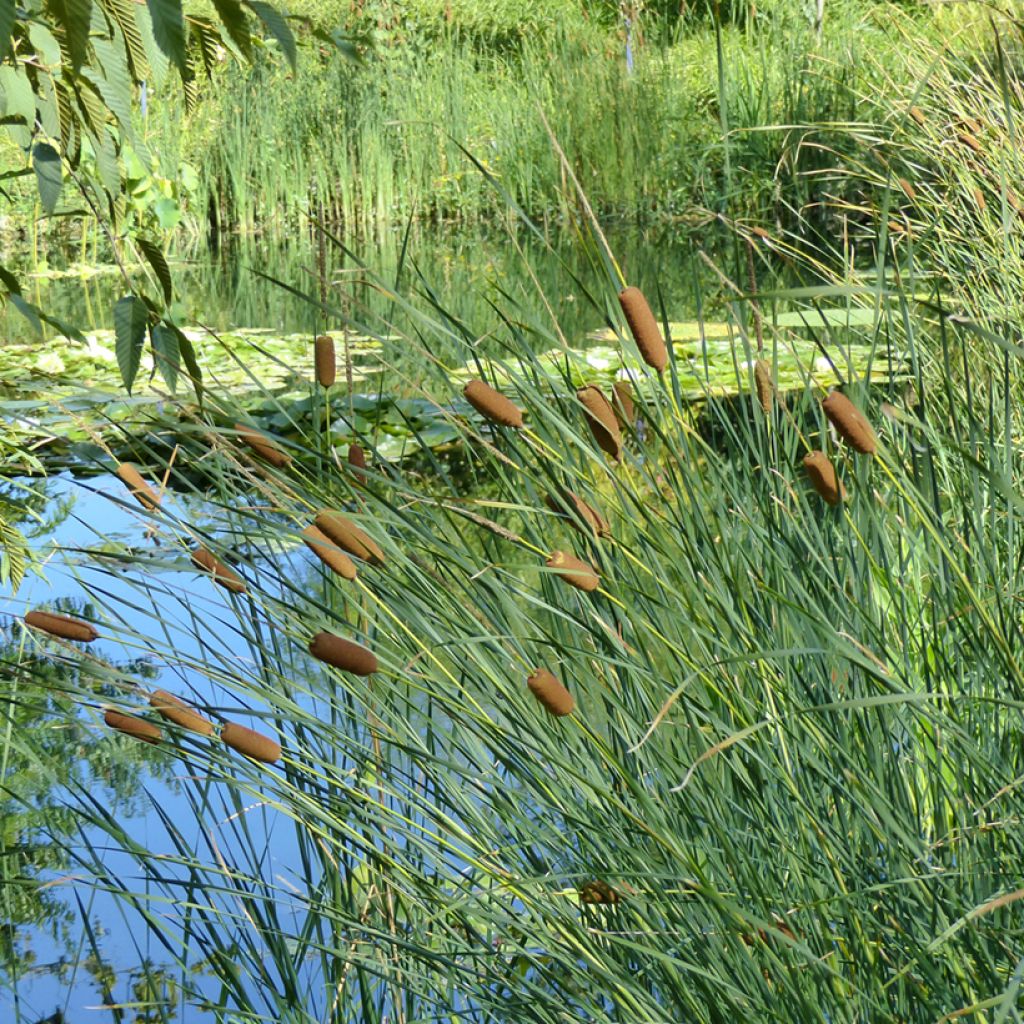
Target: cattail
1013, 201
764, 384
323, 358
550, 692
128, 724
251, 743
598, 892
208, 562
823, 477
603, 424
896, 228
357, 462
349, 537
850, 422
575, 572
337, 561
141, 491
760, 232
63, 626
968, 140
979, 198
971, 125
264, 447
567, 503
343, 654
909, 189
622, 403
644, 328
180, 713
918, 115
493, 405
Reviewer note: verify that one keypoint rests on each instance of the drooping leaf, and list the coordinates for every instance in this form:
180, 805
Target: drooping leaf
19, 102
155, 257
105, 153
46, 46
9, 281
169, 29
46, 162
15, 555
276, 25
188, 357
74, 17
130, 319
27, 310
155, 57
166, 353
113, 81
122, 13
235, 25
46, 107
7, 19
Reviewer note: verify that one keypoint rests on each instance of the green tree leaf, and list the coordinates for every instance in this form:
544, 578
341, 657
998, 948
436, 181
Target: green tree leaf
7, 19
166, 353
169, 29
276, 26
155, 257
234, 21
46, 162
74, 17
130, 318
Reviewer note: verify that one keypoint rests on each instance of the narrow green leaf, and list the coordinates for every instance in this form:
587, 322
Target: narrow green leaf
9, 281
188, 357
7, 19
46, 162
155, 257
166, 353
27, 310
130, 319
169, 29
276, 26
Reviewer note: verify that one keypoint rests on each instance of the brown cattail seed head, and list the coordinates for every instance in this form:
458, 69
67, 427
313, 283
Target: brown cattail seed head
575, 509
493, 404
264, 447
764, 384
321, 546
850, 422
251, 743
603, 424
575, 572
349, 537
357, 462
644, 328
323, 357
968, 140
822, 475
180, 713
622, 403
209, 563
918, 115
132, 726
141, 491
343, 654
979, 198
909, 189
759, 232
550, 692
63, 626
598, 892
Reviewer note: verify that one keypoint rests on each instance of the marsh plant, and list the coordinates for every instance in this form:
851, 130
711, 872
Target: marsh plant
635, 711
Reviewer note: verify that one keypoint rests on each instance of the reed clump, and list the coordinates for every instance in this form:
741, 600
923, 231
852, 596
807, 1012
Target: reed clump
138, 487
251, 743
263, 447
601, 417
349, 537
209, 563
177, 711
328, 553
644, 328
325, 361
132, 726
551, 693
822, 475
493, 405
344, 654
63, 626
574, 571
850, 423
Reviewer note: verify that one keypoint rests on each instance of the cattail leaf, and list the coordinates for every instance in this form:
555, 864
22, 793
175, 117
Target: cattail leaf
130, 319
49, 177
